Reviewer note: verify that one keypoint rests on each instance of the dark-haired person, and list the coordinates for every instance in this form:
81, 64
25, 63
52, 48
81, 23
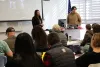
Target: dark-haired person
25, 55
87, 38
58, 55
37, 20
91, 57
94, 24
73, 18
40, 39
10, 32
96, 29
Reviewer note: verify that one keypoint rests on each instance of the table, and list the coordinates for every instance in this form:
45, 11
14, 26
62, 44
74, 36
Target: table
77, 42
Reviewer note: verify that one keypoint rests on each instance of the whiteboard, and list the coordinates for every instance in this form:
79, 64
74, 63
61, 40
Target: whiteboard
18, 9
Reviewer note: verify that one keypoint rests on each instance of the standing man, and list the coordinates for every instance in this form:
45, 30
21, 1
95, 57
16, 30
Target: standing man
73, 18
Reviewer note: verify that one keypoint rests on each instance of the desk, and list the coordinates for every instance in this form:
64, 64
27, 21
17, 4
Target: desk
77, 42
72, 44
74, 33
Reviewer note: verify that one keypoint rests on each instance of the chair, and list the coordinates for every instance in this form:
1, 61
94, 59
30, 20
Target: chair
3, 61
94, 65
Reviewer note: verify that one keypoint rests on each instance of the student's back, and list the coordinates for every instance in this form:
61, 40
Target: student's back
40, 39
58, 55
57, 29
88, 58
26, 61
91, 57
25, 55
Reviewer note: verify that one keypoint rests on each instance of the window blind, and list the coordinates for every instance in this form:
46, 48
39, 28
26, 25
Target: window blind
89, 10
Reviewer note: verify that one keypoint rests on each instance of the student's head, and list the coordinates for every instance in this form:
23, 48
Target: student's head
96, 28
39, 36
94, 24
95, 42
10, 32
53, 38
56, 27
37, 13
73, 9
88, 27
24, 44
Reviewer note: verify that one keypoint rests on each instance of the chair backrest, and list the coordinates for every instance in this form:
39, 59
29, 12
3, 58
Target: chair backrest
3, 61
94, 65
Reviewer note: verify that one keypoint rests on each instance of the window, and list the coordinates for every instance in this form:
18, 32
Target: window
89, 10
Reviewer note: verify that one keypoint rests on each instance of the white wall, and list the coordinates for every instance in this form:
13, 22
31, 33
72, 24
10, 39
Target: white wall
18, 9
54, 10
19, 27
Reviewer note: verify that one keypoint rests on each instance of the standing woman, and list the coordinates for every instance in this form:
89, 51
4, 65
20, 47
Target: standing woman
37, 20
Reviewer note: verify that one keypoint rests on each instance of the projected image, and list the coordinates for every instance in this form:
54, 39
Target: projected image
18, 9
12, 4
22, 3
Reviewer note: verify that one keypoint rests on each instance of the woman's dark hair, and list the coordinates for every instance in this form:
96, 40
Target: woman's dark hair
25, 54
88, 26
35, 14
53, 38
39, 36
24, 44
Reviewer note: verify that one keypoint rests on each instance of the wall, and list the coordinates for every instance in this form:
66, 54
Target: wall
54, 10
19, 27
18, 9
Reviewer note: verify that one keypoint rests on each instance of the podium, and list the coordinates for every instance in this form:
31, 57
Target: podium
74, 33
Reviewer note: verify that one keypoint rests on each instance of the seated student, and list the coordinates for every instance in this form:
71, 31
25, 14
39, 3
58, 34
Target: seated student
64, 38
96, 29
91, 57
58, 55
10, 32
3, 61
25, 55
88, 35
5, 50
93, 25
87, 38
40, 39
